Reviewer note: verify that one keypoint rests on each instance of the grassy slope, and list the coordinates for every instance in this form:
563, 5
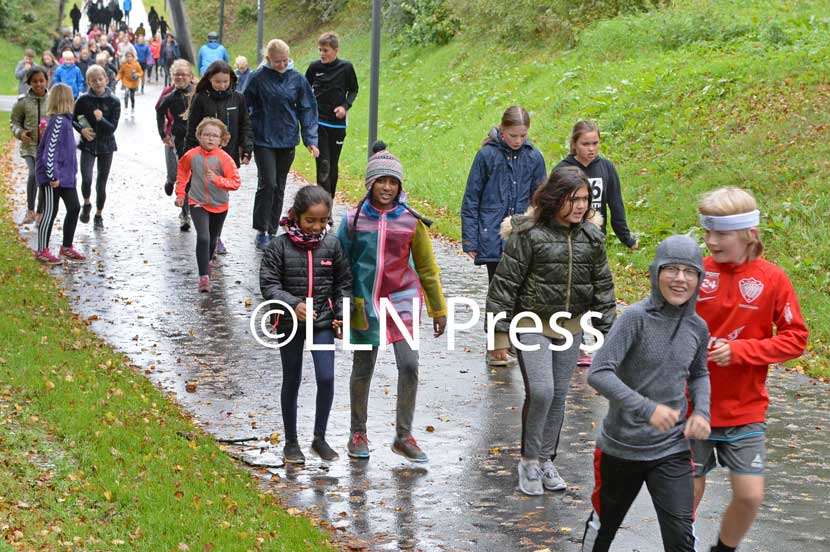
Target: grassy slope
10, 54
93, 453
697, 96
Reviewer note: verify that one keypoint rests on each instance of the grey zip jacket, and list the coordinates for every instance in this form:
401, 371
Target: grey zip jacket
653, 353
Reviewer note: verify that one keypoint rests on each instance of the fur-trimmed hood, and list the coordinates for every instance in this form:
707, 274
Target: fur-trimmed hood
522, 223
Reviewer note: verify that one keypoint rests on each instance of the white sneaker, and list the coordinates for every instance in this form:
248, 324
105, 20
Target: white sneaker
551, 479
530, 478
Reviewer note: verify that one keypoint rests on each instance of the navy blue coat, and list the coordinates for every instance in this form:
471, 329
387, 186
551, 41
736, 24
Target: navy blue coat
282, 106
501, 184
110, 106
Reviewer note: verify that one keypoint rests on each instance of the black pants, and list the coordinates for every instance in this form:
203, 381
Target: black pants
670, 484
32, 189
330, 142
291, 356
52, 197
208, 229
272, 166
87, 164
129, 96
491, 270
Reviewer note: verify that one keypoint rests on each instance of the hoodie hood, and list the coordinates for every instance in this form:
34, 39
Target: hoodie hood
571, 160
212, 45
495, 140
675, 250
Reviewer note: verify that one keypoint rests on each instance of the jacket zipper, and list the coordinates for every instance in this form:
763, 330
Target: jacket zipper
310, 274
570, 272
379, 268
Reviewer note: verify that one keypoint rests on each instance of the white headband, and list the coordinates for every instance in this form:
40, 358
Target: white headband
731, 222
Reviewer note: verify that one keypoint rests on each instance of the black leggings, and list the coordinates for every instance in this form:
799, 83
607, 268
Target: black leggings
208, 229
669, 482
291, 356
129, 96
87, 164
52, 197
331, 144
272, 165
33, 191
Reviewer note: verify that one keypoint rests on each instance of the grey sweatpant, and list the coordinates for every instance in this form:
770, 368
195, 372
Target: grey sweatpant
363, 366
547, 377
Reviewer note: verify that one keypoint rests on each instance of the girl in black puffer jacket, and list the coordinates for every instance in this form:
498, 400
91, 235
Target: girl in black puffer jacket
307, 262
554, 262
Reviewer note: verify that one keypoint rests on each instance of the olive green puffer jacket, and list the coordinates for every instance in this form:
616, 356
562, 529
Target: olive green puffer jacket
548, 268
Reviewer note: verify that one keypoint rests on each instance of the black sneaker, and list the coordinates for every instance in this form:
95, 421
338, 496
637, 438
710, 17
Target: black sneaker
85, 212
168, 188
323, 450
98, 222
292, 454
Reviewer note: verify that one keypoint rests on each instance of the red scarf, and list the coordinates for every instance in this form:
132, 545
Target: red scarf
301, 239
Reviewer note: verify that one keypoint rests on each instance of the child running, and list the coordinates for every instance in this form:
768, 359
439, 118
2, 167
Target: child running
742, 298
391, 257
304, 262
129, 74
212, 174
655, 351
554, 261
96, 118
55, 166
216, 96
25, 122
171, 110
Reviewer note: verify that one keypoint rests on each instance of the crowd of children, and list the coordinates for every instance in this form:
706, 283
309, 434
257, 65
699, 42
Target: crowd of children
684, 369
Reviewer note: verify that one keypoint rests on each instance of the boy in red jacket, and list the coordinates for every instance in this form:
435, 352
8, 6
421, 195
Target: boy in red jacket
742, 298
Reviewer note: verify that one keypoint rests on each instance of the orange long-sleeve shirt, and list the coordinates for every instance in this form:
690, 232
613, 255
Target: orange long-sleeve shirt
125, 74
212, 195
753, 306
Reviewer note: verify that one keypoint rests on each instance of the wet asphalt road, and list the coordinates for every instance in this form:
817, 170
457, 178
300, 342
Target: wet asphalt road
141, 283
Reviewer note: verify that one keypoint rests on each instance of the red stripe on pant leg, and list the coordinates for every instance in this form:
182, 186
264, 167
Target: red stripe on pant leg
597, 479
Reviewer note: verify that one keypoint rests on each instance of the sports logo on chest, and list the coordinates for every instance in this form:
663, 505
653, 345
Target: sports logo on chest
710, 282
750, 289
597, 189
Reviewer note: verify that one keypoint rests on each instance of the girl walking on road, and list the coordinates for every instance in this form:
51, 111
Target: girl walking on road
391, 256
171, 110
554, 261
56, 165
212, 174
96, 117
306, 261
25, 122
216, 96
282, 108
505, 173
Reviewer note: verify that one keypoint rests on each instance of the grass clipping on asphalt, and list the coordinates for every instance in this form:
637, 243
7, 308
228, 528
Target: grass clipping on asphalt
93, 454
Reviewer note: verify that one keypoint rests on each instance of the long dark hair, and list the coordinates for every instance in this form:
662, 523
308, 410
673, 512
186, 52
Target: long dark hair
218, 66
559, 189
308, 196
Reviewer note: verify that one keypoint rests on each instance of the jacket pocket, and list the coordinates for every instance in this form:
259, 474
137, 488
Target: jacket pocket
402, 302
359, 320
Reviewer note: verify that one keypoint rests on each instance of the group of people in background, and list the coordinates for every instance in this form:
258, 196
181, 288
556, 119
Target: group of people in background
684, 369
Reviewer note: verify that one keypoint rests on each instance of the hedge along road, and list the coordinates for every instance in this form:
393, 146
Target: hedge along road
139, 287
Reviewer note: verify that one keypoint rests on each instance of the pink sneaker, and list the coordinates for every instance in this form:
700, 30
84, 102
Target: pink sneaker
204, 284
45, 256
71, 254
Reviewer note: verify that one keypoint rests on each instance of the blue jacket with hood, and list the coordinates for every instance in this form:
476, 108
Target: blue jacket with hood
210, 52
282, 107
501, 184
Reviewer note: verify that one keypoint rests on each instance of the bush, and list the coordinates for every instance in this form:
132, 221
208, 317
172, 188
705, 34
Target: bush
323, 10
421, 21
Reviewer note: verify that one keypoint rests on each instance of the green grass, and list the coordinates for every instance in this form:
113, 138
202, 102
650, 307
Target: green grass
688, 98
10, 54
93, 454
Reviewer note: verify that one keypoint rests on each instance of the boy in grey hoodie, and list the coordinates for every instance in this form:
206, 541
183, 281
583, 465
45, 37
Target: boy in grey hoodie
654, 352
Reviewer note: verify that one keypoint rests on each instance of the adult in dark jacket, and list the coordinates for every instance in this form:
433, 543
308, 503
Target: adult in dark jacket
335, 87
506, 172
153, 20
75, 16
282, 108
554, 262
96, 117
169, 54
163, 27
605, 184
